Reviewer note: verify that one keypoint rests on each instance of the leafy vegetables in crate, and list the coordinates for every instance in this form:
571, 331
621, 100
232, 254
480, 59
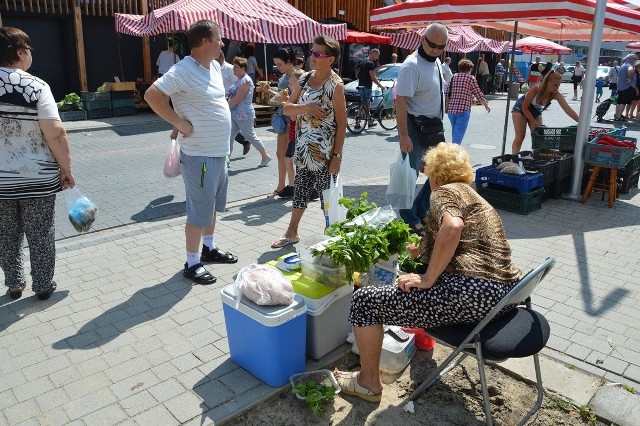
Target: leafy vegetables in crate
362, 246
315, 393
71, 102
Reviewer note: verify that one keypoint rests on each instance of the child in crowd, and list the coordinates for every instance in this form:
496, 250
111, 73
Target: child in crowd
599, 88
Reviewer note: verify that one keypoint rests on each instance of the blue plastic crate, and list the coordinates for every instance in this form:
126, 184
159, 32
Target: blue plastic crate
608, 155
522, 183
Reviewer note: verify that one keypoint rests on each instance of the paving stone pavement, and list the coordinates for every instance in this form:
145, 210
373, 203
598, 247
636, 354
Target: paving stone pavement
127, 340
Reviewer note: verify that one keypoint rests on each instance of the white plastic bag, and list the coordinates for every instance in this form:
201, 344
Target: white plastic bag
172, 162
402, 184
333, 211
263, 285
82, 211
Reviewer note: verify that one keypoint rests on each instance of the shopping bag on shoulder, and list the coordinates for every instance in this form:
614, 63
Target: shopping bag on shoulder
172, 161
333, 210
82, 211
402, 184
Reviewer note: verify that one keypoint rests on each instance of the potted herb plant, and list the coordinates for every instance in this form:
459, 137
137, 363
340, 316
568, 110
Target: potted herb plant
70, 108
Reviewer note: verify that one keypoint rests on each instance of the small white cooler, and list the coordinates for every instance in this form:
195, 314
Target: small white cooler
267, 341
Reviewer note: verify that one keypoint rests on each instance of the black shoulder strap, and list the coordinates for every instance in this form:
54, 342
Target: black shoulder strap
441, 91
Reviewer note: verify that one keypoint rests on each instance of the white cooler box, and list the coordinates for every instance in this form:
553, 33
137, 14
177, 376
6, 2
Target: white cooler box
267, 341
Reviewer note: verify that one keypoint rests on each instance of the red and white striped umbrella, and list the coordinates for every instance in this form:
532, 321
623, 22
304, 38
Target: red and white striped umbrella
540, 45
634, 46
260, 21
419, 13
462, 39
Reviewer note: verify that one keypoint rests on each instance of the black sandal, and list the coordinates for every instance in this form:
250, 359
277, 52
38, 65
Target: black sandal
16, 292
44, 295
202, 278
216, 256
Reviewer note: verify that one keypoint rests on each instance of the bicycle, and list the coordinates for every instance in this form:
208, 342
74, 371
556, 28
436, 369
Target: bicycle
383, 112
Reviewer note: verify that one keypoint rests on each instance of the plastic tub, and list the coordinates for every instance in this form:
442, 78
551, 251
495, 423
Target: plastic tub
327, 322
329, 276
321, 377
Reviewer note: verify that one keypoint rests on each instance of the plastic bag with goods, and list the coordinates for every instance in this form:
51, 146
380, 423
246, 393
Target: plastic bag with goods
82, 211
402, 183
334, 212
263, 285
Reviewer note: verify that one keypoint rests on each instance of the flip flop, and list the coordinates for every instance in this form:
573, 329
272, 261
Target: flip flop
349, 384
283, 242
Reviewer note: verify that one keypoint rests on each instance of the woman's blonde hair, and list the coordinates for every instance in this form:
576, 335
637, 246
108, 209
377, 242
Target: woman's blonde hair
448, 163
542, 98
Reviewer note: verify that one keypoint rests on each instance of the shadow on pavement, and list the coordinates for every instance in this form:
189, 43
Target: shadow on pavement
254, 213
14, 311
214, 393
143, 306
160, 209
137, 129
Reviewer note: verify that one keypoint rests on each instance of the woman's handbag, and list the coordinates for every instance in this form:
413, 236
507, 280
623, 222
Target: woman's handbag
172, 161
279, 123
402, 184
333, 210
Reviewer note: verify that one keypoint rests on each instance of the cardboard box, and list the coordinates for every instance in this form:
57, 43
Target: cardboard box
123, 85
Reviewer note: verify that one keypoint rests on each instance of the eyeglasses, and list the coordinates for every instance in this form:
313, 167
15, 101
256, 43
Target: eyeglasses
433, 45
30, 49
317, 54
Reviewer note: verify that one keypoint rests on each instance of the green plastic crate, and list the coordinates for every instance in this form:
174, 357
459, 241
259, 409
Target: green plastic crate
562, 138
73, 115
99, 113
511, 201
95, 96
121, 103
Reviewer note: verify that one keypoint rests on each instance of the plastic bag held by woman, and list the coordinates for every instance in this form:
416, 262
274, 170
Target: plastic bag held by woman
402, 184
82, 211
172, 162
334, 212
263, 285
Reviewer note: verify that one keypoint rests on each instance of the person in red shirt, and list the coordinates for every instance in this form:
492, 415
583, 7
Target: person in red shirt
458, 99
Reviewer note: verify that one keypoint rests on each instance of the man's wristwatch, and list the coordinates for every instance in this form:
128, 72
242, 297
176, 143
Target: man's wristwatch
339, 155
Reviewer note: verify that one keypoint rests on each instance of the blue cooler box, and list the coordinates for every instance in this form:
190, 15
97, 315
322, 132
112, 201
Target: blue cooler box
267, 341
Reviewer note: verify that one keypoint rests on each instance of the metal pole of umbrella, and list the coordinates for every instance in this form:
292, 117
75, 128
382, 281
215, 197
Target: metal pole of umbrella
510, 69
586, 104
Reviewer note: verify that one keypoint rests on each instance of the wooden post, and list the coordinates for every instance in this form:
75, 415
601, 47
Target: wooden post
368, 24
334, 8
146, 47
82, 64
0, 20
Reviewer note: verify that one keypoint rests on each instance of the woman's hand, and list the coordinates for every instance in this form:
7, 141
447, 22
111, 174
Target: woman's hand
316, 110
66, 179
409, 281
414, 250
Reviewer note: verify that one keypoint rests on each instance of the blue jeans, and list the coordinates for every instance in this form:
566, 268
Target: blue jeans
414, 215
459, 123
365, 95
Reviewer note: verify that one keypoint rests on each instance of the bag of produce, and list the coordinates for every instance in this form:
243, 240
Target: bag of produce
82, 211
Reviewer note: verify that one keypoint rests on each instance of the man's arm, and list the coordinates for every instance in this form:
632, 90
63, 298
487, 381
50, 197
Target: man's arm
159, 103
406, 145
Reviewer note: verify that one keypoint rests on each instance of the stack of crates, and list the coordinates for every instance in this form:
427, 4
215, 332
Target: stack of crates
626, 160
558, 144
97, 105
123, 102
515, 193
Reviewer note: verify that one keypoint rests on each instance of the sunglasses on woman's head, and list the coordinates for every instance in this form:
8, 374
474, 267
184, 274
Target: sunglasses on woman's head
433, 45
317, 54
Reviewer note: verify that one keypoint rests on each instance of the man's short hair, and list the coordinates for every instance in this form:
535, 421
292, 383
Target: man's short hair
374, 51
435, 28
200, 30
241, 62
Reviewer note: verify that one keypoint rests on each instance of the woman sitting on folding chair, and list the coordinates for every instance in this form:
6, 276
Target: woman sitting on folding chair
469, 270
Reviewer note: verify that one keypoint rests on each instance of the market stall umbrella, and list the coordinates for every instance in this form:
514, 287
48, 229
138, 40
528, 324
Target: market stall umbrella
259, 21
542, 46
560, 29
462, 39
362, 37
633, 46
420, 13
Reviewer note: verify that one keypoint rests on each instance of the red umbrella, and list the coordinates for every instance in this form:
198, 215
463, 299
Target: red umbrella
632, 46
540, 45
362, 37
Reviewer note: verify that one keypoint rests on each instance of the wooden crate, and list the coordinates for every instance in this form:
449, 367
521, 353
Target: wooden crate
264, 114
123, 85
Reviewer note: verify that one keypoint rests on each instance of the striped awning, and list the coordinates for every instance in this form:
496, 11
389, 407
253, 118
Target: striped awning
462, 39
419, 13
259, 21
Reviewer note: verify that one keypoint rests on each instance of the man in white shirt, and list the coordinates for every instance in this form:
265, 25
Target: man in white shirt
166, 59
228, 78
483, 74
447, 74
202, 123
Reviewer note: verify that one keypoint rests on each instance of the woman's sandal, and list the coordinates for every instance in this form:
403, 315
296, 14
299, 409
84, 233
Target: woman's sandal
349, 384
274, 194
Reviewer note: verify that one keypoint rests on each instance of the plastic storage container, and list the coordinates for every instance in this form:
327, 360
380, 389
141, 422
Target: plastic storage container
267, 341
512, 201
395, 355
329, 276
608, 155
327, 324
321, 377
562, 138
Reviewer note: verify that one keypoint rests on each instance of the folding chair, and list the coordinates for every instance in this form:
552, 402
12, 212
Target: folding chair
518, 333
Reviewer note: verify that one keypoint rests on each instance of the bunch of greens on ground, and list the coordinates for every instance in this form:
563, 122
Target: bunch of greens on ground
359, 247
315, 393
71, 102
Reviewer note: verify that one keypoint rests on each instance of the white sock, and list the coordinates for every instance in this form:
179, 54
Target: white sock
192, 259
209, 241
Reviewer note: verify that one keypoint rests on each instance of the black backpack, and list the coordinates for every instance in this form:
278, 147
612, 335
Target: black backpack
602, 109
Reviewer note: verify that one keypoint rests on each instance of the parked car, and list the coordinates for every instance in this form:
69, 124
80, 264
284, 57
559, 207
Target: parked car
568, 73
388, 76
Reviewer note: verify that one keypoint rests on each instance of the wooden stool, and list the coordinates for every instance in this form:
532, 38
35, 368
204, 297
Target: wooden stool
612, 187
